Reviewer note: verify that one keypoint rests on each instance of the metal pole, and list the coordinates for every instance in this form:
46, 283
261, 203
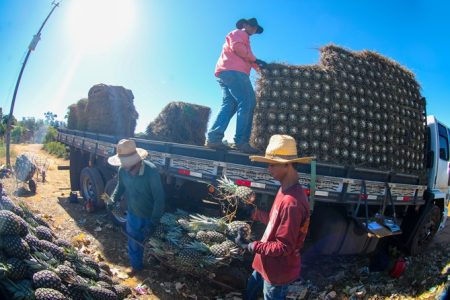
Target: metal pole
31, 47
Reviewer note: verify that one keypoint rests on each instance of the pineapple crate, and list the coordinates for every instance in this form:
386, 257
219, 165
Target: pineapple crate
357, 109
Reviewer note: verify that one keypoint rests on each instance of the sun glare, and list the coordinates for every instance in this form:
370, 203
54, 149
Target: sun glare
95, 25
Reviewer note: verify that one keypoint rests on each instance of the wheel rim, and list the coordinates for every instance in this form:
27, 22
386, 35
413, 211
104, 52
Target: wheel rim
88, 189
429, 228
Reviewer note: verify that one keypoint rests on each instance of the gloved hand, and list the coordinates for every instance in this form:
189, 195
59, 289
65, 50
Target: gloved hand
242, 242
110, 205
261, 63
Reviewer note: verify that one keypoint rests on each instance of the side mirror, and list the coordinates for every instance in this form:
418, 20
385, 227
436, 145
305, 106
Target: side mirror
430, 159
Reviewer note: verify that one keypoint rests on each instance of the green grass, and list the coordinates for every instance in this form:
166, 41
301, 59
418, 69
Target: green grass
57, 149
12, 153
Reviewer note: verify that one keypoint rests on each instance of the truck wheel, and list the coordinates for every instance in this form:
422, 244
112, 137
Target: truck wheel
425, 231
92, 186
118, 216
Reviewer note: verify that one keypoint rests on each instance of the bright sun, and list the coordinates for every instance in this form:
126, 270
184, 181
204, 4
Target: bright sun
95, 25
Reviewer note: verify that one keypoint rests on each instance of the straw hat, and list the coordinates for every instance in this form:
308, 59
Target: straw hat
127, 154
282, 149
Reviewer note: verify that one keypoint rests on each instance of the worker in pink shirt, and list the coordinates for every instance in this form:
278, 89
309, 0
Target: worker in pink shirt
232, 72
277, 261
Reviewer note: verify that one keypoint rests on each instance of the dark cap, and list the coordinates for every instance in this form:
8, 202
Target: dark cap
252, 22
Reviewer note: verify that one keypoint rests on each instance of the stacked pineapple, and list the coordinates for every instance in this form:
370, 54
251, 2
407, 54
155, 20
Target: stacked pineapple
194, 243
35, 264
353, 108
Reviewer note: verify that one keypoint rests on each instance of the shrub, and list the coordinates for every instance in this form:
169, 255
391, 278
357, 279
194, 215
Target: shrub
56, 148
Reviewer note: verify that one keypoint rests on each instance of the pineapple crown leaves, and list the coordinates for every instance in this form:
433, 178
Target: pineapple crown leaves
181, 213
18, 290
198, 246
169, 219
227, 185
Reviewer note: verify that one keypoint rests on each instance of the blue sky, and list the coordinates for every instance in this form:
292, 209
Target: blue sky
166, 50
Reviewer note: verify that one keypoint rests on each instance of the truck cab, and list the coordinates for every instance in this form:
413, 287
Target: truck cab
438, 166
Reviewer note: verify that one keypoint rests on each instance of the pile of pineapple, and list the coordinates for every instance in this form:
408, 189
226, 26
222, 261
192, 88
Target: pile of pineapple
196, 244
353, 108
35, 264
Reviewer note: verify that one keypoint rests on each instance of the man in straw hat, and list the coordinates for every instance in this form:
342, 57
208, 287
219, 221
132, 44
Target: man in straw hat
277, 260
232, 72
141, 183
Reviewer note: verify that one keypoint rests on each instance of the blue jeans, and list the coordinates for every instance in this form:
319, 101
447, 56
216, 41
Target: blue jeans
137, 228
238, 97
270, 291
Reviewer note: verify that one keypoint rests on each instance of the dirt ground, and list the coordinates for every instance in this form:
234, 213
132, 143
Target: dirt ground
94, 234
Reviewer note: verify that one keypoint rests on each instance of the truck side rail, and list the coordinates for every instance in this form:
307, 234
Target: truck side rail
335, 184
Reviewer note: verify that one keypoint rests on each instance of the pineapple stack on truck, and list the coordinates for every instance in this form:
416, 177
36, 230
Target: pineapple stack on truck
356, 109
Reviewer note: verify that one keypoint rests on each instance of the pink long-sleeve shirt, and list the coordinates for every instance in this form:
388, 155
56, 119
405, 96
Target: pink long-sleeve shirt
277, 255
236, 54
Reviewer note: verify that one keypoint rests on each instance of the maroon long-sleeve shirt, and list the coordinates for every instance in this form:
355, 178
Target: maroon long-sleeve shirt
277, 255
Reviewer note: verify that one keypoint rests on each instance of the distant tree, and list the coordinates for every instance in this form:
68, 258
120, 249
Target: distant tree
17, 134
5, 120
50, 118
51, 135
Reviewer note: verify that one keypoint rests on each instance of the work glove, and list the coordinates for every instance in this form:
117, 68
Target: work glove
260, 63
110, 205
242, 242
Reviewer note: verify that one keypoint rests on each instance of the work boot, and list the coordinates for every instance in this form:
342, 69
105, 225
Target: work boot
246, 148
217, 146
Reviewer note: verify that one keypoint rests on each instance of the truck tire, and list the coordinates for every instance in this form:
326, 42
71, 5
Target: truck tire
425, 230
92, 186
119, 216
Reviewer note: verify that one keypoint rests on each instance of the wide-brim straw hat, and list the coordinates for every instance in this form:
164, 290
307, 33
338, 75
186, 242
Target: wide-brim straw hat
127, 154
282, 149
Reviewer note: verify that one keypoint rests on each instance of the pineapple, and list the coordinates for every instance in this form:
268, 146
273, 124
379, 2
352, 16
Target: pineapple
159, 232
56, 251
44, 233
99, 293
243, 194
91, 263
66, 273
219, 250
122, 291
9, 223
202, 236
189, 258
235, 226
46, 279
63, 243
14, 246
105, 285
48, 294
17, 269
7, 204
102, 276
215, 237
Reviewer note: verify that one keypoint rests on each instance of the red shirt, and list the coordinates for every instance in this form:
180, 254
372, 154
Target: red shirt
236, 54
277, 255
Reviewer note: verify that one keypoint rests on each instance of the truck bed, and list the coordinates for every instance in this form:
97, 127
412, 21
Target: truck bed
333, 183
